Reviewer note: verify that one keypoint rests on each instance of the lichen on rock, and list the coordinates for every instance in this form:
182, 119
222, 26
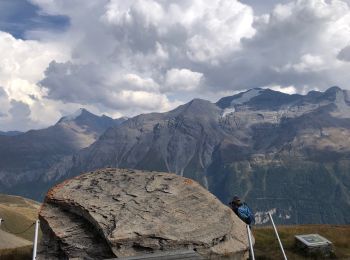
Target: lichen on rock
117, 213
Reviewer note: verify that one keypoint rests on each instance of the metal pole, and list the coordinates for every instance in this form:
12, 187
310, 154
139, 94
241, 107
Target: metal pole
250, 243
35, 239
1, 220
278, 237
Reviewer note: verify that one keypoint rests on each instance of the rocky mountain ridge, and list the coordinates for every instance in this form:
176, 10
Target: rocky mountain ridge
26, 157
288, 154
285, 154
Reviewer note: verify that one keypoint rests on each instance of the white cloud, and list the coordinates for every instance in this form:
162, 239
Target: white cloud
137, 83
182, 79
288, 90
216, 29
22, 65
25, 59
307, 63
297, 44
142, 100
205, 30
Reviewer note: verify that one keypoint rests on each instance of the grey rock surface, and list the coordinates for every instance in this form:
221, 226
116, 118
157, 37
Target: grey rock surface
117, 213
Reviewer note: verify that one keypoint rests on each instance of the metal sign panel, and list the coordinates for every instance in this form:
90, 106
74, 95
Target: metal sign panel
312, 240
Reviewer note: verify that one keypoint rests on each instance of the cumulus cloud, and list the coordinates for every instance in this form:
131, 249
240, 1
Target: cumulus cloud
182, 79
136, 56
22, 65
296, 44
141, 56
220, 42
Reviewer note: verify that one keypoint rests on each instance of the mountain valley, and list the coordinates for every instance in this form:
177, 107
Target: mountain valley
284, 154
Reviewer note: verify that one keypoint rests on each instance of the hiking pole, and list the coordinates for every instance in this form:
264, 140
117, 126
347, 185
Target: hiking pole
250, 243
278, 237
35, 239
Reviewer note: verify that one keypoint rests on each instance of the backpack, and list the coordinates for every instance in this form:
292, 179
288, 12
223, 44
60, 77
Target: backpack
245, 213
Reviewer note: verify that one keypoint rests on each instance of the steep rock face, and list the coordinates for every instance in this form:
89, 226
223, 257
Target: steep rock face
26, 158
180, 141
287, 154
116, 213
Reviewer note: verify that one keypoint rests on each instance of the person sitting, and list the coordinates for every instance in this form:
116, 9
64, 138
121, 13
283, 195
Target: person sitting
242, 210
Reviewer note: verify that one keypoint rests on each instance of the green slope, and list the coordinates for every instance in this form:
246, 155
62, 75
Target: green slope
266, 246
19, 213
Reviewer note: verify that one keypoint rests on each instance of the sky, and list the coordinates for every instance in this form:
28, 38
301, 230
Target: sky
123, 58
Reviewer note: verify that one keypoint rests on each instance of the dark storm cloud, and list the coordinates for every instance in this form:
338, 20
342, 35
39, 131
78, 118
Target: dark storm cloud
263, 6
19, 110
344, 54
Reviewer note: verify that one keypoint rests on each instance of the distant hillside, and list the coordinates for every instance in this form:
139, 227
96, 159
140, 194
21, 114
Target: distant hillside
284, 154
9, 241
10, 133
25, 158
18, 214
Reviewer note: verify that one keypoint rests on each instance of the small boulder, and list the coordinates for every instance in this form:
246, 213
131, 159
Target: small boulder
113, 213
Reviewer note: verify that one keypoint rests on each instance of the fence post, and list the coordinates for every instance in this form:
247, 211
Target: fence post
35, 239
250, 243
278, 237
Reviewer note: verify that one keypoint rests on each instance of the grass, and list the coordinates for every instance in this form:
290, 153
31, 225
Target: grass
18, 213
266, 245
19, 253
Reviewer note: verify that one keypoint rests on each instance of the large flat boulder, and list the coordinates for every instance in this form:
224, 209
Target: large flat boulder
114, 213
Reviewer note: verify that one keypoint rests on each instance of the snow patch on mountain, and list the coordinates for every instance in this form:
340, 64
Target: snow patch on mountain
246, 96
228, 111
262, 217
342, 104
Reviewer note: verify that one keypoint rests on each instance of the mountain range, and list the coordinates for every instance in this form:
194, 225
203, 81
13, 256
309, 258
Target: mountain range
25, 158
284, 154
10, 133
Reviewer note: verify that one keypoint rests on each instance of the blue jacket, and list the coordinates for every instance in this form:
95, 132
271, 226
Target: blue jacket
243, 211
